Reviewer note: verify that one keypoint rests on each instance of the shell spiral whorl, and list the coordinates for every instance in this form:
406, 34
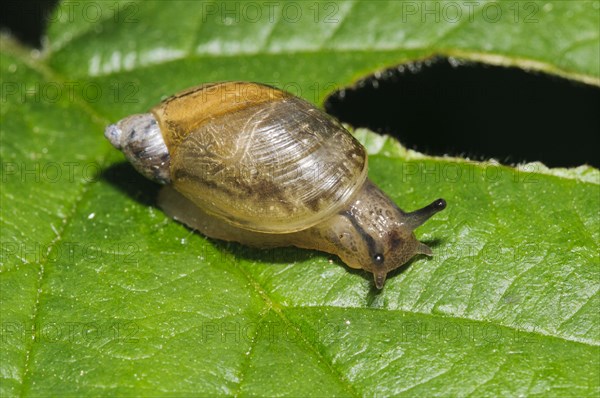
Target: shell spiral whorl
141, 141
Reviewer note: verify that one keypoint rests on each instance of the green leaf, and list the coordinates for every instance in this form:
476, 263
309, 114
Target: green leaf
102, 294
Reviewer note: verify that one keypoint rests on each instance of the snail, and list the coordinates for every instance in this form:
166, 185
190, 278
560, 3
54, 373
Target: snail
250, 163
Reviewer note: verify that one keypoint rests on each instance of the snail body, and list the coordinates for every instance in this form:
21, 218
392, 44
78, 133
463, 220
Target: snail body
249, 163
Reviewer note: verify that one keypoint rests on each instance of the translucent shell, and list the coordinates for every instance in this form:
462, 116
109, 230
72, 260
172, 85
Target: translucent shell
258, 157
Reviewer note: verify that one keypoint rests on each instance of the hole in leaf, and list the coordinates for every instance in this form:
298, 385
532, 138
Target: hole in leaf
27, 20
442, 106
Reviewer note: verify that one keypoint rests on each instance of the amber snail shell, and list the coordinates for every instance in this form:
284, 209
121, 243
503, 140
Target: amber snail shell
249, 163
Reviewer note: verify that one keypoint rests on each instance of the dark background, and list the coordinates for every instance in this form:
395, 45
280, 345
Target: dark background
440, 108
